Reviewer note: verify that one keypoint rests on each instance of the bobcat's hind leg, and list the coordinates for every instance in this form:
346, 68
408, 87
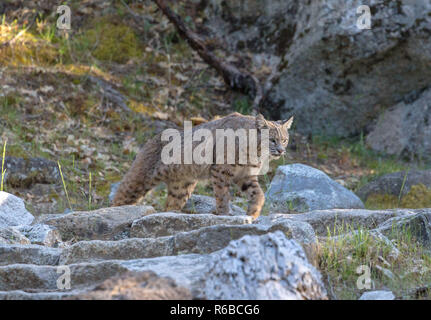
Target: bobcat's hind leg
221, 177
178, 194
255, 195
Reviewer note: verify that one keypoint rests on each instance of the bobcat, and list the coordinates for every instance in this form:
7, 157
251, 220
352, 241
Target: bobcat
148, 170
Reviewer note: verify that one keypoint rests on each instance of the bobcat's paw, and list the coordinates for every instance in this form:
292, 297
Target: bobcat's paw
254, 214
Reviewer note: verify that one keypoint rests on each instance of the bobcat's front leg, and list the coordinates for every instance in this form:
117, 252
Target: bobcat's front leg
221, 179
255, 195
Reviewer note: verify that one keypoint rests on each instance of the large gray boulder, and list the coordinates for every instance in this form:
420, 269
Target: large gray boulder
405, 129
266, 267
105, 223
332, 75
22, 173
13, 211
300, 188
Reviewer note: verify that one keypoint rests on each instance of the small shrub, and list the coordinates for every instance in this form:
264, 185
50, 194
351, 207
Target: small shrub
111, 42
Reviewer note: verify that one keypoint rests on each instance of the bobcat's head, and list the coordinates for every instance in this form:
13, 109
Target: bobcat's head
278, 135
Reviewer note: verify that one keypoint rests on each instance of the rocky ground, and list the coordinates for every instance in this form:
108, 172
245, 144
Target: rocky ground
75, 106
311, 255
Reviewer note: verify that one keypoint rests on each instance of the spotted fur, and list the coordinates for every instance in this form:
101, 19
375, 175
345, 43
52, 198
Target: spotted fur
148, 170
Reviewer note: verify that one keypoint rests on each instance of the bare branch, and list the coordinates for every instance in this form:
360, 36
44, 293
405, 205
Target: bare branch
236, 79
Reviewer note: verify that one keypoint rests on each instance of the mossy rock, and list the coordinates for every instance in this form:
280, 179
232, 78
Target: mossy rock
111, 41
395, 184
27, 49
419, 196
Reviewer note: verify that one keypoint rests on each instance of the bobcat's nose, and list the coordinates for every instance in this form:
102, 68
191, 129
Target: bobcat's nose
281, 150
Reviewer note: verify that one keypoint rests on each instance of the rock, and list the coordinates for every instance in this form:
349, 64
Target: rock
385, 272
202, 241
256, 25
11, 235
405, 129
135, 286
31, 254
114, 188
105, 223
22, 173
417, 226
31, 277
332, 75
187, 270
342, 220
377, 295
13, 211
169, 223
263, 268
300, 188
393, 182
30, 281
42, 234
23, 295
207, 205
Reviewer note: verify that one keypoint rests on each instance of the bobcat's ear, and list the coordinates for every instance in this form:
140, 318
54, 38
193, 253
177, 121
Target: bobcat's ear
261, 122
287, 124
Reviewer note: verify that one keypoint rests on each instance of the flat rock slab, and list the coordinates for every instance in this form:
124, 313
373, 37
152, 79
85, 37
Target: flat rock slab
13, 211
37, 282
135, 286
104, 224
207, 205
300, 188
31, 254
169, 223
23, 295
377, 295
343, 220
203, 240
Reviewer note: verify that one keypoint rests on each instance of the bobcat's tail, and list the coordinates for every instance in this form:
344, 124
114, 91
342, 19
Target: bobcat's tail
140, 177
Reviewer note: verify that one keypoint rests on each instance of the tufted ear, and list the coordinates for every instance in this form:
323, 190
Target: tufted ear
287, 124
261, 122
